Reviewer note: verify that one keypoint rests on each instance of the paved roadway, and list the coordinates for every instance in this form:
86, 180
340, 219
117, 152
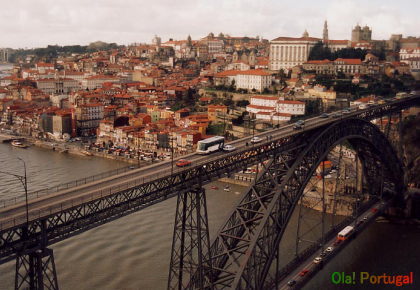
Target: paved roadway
16, 214
366, 217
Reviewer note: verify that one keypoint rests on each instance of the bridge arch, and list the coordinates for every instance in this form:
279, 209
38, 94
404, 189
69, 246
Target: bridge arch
376, 155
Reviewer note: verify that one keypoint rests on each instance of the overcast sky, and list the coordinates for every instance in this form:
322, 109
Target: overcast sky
37, 23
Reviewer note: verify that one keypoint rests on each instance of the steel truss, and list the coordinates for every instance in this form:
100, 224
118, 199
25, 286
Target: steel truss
36, 270
190, 243
277, 193
247, 245
79, 218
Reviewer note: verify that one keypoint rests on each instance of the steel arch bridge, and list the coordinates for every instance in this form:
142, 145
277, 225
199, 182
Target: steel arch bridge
238, 250
246, 247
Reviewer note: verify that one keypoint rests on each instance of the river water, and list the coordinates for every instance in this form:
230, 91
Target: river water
133, 252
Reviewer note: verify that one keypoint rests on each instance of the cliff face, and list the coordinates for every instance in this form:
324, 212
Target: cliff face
411, 147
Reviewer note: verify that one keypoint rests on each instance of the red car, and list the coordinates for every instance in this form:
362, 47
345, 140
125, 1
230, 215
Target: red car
303, 273
183, 163
374, 209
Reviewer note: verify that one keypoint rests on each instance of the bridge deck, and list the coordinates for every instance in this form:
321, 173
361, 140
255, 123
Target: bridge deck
80, 208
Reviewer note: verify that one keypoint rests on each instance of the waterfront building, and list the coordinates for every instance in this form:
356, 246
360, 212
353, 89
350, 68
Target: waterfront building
88, 117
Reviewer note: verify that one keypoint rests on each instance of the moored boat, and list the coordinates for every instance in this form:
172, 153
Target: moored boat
17, 143
87, 153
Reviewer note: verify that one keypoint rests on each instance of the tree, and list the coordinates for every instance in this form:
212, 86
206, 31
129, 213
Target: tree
319, 52
242, 103
232, 86
313, 107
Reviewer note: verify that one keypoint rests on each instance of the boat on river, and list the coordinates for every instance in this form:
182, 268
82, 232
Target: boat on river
87, 153
17, 143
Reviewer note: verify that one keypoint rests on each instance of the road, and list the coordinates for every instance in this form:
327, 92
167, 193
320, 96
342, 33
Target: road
311, 267
16, 214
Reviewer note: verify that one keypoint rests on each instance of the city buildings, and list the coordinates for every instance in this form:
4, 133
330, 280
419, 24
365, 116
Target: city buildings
153, 95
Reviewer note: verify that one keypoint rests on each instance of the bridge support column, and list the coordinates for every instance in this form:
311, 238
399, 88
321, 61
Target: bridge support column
189, 267
36, 270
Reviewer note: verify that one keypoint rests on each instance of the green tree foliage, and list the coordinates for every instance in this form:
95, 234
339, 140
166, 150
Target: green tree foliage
321, 52
242, 103
215, 129
313, 107
51, 52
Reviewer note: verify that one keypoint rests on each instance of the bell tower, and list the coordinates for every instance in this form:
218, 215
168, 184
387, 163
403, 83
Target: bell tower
325, 32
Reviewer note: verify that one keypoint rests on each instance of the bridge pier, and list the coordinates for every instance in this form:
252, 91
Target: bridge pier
190, 264
36, 270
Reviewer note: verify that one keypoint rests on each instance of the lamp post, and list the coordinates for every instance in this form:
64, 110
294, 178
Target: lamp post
24, 181
172, 154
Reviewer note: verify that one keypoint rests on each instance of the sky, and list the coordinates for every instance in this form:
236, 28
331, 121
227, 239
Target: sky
38, 23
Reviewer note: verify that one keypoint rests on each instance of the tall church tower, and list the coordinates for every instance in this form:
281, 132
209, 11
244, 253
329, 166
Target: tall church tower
325, 32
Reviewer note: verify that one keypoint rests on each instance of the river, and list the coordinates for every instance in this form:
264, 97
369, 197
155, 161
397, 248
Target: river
133, 252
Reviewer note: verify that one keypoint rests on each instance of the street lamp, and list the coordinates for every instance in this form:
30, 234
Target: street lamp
172, 154
24, 182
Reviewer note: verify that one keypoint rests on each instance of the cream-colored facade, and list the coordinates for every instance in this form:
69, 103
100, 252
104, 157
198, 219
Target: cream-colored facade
287, 52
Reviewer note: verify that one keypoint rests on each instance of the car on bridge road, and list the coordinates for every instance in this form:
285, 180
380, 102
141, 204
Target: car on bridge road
317, 260
291, 283
256, 139
303, 273
325, 115
183, 163
297, 126
229, 148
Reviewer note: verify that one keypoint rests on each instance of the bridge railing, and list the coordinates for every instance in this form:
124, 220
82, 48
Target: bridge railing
67, 185
33, 215
44, 212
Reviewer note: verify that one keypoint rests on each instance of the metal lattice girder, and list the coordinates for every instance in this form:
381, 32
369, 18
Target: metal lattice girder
36, 271
88, 212
247, 244
190, 243
76, 219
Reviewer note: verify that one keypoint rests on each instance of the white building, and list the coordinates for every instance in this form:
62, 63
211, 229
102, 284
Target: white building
96, 81
215, 46
291, 107
264, 101
273, 116
253, 80
274, 108
409, 53
287, 52
57, 86
335, 45
238, 66
256, 79
88, 117
255, 109
348, 66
